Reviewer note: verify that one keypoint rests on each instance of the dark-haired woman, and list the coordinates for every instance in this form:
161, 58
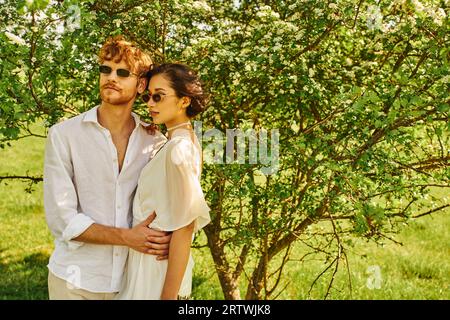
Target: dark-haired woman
170, 186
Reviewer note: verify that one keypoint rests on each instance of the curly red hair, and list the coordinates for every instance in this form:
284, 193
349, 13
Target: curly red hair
118, 48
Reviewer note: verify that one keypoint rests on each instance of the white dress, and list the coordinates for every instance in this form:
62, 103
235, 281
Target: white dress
169, 185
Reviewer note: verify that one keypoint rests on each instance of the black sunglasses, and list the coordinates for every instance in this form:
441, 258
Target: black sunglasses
124, 73
156, 97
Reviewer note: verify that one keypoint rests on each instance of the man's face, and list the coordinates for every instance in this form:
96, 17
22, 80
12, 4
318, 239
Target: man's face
118, 90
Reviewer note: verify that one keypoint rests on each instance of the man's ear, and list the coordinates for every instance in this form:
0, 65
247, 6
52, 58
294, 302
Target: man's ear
142, 85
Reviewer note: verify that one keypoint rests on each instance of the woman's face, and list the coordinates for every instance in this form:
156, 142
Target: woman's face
169, 108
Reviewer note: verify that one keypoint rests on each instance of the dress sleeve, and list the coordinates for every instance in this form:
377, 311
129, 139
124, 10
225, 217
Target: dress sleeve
183, 201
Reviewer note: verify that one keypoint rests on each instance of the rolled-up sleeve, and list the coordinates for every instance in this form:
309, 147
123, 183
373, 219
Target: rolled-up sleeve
60, 196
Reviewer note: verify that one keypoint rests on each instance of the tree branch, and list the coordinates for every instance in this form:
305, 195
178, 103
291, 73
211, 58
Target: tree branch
431, 211
33, 179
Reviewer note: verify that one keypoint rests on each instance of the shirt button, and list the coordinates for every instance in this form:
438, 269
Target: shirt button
116, 254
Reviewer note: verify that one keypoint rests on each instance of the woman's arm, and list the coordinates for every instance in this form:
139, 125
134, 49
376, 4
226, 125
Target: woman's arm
179, 250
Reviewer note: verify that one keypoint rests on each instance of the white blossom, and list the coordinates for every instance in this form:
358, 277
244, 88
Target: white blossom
418, 6
201, 6
15, 39
59, 28
438, 16
298, 36
374, 17
263, 49
389, 26
266, 11
40, 15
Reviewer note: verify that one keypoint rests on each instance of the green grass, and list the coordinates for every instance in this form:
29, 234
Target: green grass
420, 269
25, 242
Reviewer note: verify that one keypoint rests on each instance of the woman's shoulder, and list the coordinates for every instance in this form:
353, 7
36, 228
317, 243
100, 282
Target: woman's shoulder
182, 151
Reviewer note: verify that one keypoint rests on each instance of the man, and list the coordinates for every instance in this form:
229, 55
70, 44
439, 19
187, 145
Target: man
91, 169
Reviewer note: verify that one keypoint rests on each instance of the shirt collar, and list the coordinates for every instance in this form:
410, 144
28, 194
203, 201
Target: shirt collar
91, 116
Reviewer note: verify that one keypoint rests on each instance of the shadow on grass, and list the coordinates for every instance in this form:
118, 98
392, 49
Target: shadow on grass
24, 279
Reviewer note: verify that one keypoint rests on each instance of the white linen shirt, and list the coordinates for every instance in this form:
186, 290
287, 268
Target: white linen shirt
82, 186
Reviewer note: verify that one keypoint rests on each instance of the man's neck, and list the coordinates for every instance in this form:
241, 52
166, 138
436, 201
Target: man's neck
117, 119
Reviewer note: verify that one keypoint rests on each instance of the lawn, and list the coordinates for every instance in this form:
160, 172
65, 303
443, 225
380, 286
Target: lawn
420, 269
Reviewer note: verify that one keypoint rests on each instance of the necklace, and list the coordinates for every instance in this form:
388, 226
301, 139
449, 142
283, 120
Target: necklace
178, 125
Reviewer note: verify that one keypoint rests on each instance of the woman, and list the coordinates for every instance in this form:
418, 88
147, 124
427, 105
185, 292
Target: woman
170, 185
